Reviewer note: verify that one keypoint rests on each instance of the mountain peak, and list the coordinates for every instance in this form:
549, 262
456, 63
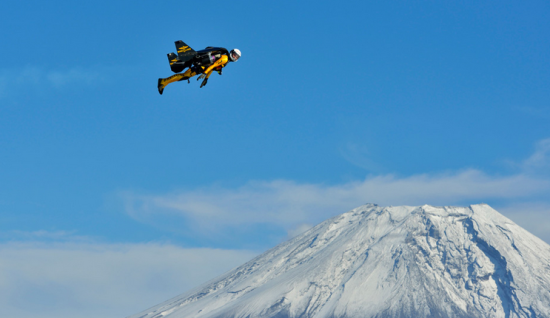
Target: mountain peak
374, 261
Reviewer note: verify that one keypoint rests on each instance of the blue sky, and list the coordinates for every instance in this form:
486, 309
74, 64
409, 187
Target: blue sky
332, 105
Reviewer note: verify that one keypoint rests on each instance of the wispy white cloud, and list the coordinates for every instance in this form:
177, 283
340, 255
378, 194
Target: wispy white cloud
13, 81
59, 79
289, 204
44, 236
539, 162
359, 156
65, 280
539, 112
532, 216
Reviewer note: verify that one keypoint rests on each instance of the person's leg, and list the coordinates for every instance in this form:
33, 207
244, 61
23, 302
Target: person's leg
174, 78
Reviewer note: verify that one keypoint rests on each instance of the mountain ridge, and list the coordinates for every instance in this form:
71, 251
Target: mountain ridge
376, 261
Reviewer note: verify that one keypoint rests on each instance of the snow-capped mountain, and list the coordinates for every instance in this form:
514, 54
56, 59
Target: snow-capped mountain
386, 262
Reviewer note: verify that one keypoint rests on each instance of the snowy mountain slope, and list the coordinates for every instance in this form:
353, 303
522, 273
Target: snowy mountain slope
386, 262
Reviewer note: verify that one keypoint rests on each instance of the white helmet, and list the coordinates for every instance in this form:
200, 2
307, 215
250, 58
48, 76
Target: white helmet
234, 55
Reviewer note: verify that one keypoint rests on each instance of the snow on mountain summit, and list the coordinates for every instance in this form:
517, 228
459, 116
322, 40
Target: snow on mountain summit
385, 262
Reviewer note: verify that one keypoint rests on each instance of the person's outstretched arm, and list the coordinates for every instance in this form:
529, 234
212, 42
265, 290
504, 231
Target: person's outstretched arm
221, 62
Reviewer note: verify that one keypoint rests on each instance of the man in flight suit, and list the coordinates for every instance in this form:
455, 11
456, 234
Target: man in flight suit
219, 61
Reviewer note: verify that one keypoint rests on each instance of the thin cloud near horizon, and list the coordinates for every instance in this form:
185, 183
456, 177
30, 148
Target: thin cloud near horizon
14, 80
67, 279
294, 206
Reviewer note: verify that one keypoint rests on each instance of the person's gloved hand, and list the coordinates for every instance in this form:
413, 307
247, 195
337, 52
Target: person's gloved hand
204, 82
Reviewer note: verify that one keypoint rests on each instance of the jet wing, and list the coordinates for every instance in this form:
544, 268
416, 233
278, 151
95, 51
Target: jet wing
185, 52
178, 62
